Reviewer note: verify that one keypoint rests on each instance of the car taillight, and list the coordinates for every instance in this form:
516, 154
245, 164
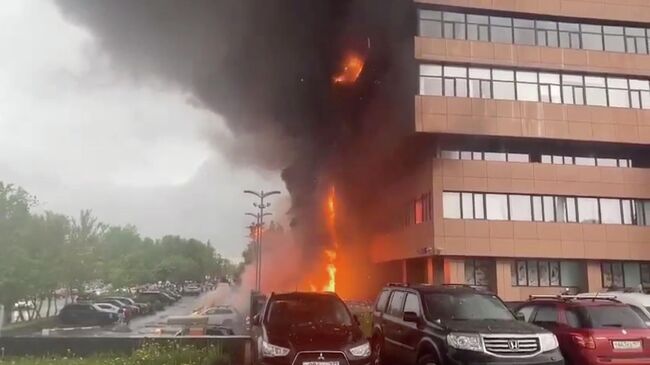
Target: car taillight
584, 341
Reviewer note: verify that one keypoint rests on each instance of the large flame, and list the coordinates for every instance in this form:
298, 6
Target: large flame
330, 254
351, 69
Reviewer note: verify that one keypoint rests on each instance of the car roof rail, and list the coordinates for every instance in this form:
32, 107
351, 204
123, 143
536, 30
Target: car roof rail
565, 297
403, 285
458, 285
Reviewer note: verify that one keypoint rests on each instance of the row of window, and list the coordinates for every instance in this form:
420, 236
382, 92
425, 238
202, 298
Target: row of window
545, 208
545, 33
548, 87
535, 273
419, 210
523, 157
400, 302
617, 274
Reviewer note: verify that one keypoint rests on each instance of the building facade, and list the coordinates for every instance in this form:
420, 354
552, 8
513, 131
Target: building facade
539, 182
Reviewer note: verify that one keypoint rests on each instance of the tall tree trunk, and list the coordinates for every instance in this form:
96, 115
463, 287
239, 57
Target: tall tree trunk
21, 314
8, 309
56, 305
49, 305
37, 311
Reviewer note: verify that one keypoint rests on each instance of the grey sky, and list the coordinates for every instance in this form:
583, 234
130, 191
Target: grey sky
79, 136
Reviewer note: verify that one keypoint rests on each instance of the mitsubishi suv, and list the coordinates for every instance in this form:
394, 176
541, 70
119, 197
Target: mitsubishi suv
308, 329
455, 325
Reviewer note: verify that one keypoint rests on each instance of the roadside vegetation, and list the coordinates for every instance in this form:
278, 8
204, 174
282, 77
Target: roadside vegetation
41, 253
153, 354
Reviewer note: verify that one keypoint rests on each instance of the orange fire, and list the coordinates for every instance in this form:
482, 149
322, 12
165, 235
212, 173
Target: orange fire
352, 67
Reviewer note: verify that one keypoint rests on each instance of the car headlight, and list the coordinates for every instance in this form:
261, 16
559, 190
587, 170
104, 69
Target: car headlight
270, 350
362, 350
465, 341
547, 342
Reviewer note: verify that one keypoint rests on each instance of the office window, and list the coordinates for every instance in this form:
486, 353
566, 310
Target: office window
635, 40
430, 23
478, 28
419, 211
573, 89
453, 25
606, 162
614, 39
535, 273
496, 206
592, 37
544, 273
549, 88
549, 208
520, 208
518, 157
610, 211
538, 209
588, 210
547, 34
467, 200
527, 86
569, 35
451, 205
618, 93
477, 272
479, 206
612, 274
503, 84
639, 94
629, 212
431, 80
495, 156
645, 274
524, 30
480, 83
501, 29
582, 161
595, 91
450, 155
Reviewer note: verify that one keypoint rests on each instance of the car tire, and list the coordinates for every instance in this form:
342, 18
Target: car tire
378, 351
427, 359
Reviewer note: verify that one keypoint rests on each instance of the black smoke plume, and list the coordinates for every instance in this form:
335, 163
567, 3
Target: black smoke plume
266, 66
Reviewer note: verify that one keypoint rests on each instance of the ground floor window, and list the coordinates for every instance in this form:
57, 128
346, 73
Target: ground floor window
535, 273
477, 272
619, 274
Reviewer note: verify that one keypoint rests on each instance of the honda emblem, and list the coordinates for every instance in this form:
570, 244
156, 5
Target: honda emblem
513, 345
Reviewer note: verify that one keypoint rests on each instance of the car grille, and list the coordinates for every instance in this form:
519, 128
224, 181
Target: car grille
320, 357
511, 346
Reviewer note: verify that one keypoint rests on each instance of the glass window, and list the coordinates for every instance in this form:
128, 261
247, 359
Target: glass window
588, 210
549, 209
527, 91
585, 161
396, 301
629, 215
478, 28
430, 23
431, 86
479, 208
451, 155
555, 273
451, 205
520, 208
592, 37
538, 214
382, 300
533, 279
518, 157
468, 205
504, 90
500, 29
572, 319
524, 31
495, 156
561, 209
526, 312
596, 96
610, 210
546, 314
522, 273
469, 272
607, 162
412, 304
466, 155
496, 206
544, 273
614, 40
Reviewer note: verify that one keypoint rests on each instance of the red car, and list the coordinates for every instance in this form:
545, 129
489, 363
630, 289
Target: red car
591, 330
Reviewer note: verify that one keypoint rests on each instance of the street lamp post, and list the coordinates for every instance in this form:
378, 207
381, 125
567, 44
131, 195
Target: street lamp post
262, 205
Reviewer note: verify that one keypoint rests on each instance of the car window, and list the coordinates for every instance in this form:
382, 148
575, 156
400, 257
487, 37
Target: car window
573, 319
526, 311
640, 313
412, 304
382, 300
308, 309
546, 314
465, 306
219, 311
396, 301
610, 316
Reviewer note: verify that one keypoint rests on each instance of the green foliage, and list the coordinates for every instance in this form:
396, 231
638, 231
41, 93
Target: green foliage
40, 253
152, 354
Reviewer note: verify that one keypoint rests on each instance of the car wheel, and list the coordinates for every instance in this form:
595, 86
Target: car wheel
378, 351
427, 359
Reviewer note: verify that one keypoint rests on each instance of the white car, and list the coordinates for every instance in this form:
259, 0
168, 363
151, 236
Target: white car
223, 315
639, 302
106, 307
192, 289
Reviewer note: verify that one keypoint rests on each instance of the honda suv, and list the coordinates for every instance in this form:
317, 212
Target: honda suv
455, 324
308, 329
592, 329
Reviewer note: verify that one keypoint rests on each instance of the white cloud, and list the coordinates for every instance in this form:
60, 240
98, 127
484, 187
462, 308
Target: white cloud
78, 136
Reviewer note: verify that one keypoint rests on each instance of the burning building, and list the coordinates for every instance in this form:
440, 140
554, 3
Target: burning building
491, 143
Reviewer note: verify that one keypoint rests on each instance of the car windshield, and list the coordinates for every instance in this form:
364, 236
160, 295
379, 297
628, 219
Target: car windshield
466, 306
604, 316
308, 310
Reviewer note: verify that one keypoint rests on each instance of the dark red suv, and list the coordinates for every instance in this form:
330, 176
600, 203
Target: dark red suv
591, 330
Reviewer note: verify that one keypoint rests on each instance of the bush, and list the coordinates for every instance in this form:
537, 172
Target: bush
152, 354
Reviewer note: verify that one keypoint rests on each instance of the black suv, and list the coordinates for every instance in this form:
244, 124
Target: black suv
85, 314
308, 328
425, 324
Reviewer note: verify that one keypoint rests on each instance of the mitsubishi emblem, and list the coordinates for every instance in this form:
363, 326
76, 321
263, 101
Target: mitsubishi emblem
513, 345
321, 357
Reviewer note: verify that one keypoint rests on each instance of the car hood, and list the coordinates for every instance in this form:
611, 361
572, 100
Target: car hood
314, 337
491, 326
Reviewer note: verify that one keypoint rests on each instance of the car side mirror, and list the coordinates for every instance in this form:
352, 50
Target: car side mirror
356, 320
256, 320
520, 316
411, 317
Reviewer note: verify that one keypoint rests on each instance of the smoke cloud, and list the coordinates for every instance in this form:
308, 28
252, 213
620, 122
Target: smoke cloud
266, 66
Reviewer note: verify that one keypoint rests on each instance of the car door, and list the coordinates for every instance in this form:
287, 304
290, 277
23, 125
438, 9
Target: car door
393, 328
412, 332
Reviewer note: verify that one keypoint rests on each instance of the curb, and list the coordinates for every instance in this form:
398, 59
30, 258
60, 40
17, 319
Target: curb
47, 331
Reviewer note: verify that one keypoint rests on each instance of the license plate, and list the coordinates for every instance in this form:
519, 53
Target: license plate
320, 363
626, 345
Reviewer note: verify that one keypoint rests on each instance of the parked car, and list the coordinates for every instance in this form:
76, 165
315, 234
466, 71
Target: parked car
154, 295
425, 324
639, 302
592, 329
86, 314
223, 315
107, 307
308, 328
126, 302
192, 289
